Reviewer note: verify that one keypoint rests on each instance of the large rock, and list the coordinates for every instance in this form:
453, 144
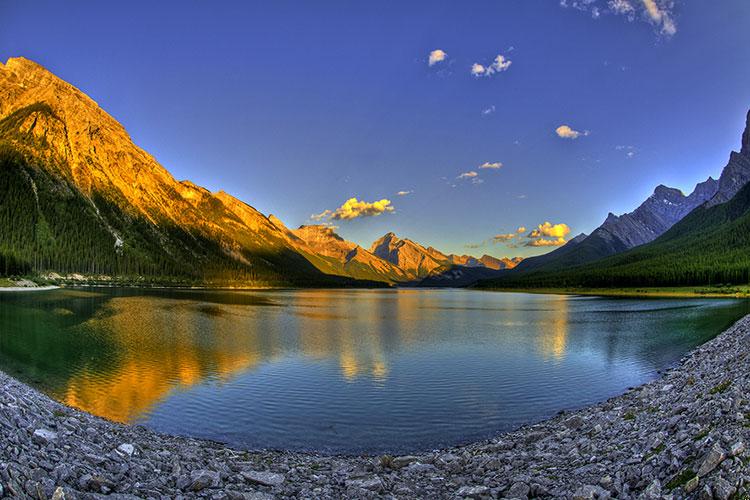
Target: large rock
263, 478
472, 491
711, 460
202, 479
44, 436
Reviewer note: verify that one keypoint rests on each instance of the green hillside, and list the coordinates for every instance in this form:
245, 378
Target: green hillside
48, 225
709, 246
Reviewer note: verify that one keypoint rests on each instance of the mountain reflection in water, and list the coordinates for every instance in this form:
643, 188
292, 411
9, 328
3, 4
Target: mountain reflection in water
342, 370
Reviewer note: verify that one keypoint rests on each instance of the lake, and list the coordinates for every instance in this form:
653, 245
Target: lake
343, 370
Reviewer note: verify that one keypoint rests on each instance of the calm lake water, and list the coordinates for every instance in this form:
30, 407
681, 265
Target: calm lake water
345, 370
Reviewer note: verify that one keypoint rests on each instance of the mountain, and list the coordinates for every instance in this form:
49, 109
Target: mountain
80, 197
709, 246
502, 263
703, 246
665, 207
332, 254
416, 260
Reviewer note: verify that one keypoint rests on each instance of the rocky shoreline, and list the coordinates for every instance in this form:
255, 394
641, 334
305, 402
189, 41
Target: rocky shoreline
683, 435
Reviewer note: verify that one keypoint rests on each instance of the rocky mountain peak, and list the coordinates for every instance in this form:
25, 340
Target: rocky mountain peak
746, 137
668, 193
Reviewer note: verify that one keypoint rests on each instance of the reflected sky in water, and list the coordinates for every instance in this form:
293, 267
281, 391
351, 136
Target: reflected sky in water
343, 370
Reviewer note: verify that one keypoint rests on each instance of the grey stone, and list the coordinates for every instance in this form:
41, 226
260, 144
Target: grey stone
472, 491
518, 490
711, 460
419, 468
371, 483
202, 479
403, 461
692, 484
264, 478
737, 449
723, 489
574, 422
44, 436
126, 449
588, 492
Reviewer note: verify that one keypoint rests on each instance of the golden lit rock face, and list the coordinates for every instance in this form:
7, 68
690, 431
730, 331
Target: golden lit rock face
412, 257
51, 119
97, 154
324, 241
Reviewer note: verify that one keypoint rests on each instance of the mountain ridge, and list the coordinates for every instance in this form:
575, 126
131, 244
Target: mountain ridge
652, 218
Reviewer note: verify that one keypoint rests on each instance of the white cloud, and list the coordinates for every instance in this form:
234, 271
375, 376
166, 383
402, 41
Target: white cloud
488, 111
477, 69
566, 132
468, 175
494, 165
436, 56
622, 7
354, 208
499, 64
404, 193
660, 13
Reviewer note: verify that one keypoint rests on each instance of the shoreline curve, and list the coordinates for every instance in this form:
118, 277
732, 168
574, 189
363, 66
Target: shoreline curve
682, 435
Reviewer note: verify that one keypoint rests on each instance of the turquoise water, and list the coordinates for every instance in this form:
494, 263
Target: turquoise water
343, 370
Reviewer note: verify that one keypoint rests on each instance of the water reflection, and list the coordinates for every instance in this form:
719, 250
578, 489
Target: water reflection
342, 370
159, 347
553, 328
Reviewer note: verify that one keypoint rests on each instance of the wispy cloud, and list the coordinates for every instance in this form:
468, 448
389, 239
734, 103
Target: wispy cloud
488, 111
499, 64
503, 237
491, 165
660, 13
436, 56
629, 151
404, 193
472, 176
566, 132
354, 208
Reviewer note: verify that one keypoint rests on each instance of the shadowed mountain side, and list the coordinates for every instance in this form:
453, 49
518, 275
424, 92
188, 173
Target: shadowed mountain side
710, 246
665, 207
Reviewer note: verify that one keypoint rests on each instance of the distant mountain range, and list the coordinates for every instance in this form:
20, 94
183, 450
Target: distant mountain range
671, 239
80, 198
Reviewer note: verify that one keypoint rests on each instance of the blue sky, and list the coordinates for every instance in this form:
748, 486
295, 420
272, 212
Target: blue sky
296, 107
